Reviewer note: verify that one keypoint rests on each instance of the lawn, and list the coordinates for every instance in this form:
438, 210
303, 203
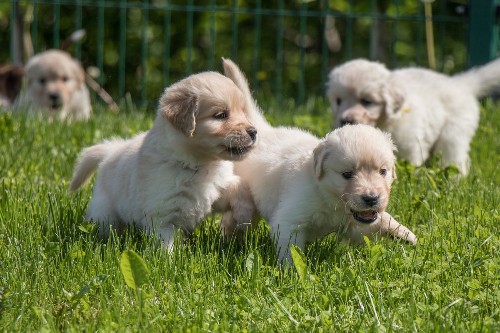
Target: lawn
57, 275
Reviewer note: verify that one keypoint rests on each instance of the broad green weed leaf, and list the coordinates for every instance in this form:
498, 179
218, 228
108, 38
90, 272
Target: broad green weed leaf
77, 254
86, 227
95, 281
134, 269
250, 262
299, 262
376, 251
367, 241
431, 181
252, 265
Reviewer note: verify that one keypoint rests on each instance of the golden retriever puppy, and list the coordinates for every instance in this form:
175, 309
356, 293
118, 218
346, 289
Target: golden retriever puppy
55, 85
172, 176
426, 112
306, 187
11, 81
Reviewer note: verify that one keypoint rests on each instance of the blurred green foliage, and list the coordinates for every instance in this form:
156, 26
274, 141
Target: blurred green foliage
140, 47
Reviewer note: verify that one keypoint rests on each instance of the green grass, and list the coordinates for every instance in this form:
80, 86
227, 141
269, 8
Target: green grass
56, 275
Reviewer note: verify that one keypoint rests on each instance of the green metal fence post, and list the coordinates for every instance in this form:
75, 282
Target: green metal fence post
122, 49
302, 45
57, 24
212, 30
325, 9
257, 42
189, 36
234, 31
34, 26
78, 26
167, 20
14, 35
100, 41
348, 33
144, 50
483, 32
279, 51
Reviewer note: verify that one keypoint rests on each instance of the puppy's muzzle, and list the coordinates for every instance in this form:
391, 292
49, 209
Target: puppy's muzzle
252, 133
370, 212
55, 100
365, 217
370, 200
240, 144
347, 121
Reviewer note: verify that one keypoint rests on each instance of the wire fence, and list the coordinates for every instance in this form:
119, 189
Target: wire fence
137, 48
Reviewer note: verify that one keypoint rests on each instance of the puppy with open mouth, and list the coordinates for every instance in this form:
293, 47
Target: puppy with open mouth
172, 176
307, 188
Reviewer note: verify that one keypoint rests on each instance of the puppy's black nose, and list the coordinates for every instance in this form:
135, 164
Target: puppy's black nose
55, 100
347, 121
370, 199
252, 132
54, 97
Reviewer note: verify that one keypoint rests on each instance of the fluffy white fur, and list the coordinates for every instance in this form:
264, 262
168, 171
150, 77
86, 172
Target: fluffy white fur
55, 85
298, 181
171, 177
426, 112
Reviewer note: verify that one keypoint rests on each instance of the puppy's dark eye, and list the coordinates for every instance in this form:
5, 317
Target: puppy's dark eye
221, 115
383, 172
366, 102
42, 80
338, 101
348, 174
65, 78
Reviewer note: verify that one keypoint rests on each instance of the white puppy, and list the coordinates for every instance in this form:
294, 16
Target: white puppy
55, 85
426, 112
171, 177
307, 188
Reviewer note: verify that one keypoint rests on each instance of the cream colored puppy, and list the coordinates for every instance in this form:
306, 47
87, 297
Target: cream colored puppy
172, 176
306, 187
55, 85
426, 112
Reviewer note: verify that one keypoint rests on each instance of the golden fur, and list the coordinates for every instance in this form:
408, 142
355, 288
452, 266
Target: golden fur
172, 176
306, 187
55, 85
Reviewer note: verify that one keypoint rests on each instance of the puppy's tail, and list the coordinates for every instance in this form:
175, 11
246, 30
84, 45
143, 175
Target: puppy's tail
232, 71
88, 161
482, 80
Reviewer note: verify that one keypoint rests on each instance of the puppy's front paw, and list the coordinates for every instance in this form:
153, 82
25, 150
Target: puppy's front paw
392, 227
404, 233
230, 228
244, 213
227, 224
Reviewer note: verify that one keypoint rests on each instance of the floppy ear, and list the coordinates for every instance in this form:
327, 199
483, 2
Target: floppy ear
394, 176
180, 109
388, 137
232, 71
319, 155
393, 98
30, 68
78, 72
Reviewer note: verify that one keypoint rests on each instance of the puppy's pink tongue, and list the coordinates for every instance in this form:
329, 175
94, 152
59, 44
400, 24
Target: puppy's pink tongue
369, 214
